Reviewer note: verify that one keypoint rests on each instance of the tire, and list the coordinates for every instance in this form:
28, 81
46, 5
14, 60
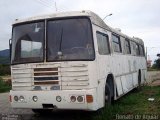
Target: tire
42, 111
139, 81
108, 97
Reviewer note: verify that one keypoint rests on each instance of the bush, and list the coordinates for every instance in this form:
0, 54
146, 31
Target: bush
3, 86
5, 69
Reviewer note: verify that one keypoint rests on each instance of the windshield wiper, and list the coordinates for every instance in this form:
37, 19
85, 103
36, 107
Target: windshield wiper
59, 53
60, 45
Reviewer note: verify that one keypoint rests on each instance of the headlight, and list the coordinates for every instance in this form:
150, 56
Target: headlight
58, 98
73, 98
16, 98
35, 98
80, 98
21, 98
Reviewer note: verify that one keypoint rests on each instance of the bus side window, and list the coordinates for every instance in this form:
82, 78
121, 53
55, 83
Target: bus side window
103, 43
137, 50
116, 43
133, 48
141, 50
127, 46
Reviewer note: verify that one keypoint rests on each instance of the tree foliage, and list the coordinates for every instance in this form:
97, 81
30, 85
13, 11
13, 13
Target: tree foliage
156, 64
4, 60
5, 69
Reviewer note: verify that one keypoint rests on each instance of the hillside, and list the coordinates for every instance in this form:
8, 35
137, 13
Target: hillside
4, 56
4, 53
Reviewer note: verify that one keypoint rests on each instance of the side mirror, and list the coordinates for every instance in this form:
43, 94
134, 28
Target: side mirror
10, 48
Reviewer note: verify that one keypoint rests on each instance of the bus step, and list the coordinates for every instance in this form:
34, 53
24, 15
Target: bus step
48, 106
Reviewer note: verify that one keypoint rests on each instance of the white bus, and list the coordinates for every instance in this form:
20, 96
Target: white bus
72, 60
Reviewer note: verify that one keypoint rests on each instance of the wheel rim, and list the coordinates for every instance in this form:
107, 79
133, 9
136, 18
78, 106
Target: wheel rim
139, 79
106, 97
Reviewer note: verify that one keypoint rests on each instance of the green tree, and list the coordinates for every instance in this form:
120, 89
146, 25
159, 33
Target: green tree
156, 64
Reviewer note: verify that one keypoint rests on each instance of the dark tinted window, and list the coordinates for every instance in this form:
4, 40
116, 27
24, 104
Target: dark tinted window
69, 39
103, 43
141, 48
127, 47
137, 49
133, 48
116, 43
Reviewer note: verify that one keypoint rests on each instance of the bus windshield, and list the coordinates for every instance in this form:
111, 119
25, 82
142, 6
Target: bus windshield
66, 39
28, 41
69, 39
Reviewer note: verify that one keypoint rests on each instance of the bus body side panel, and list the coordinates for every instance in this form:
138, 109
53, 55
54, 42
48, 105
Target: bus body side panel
103, 66
124, 67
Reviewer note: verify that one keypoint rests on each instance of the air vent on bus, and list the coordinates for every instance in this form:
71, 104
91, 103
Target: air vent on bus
45, 76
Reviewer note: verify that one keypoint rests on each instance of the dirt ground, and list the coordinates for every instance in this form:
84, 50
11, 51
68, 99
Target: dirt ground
155, 83
153, 78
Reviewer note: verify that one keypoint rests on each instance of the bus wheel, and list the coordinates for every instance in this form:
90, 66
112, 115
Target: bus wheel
139, 81
42, 111
107, 95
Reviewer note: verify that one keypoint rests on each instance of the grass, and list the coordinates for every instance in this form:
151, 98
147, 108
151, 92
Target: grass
3, 86
152, 69
134, 103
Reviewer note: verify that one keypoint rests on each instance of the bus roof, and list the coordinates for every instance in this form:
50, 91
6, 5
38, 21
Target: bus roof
95, 19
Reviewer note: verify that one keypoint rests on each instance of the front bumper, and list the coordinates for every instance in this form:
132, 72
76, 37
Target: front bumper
49, 97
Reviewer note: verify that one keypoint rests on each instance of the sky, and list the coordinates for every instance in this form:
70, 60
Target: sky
139, 18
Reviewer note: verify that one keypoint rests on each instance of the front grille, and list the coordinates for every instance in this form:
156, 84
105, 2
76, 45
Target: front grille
74, 76
21, 78
45, 69
46, 76
46, 83
66, 76
50, 76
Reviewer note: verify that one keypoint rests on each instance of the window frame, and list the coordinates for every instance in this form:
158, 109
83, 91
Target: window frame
76, 17
103, 34
25, 23
141, 47
129, 46
118, 43
137, 54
